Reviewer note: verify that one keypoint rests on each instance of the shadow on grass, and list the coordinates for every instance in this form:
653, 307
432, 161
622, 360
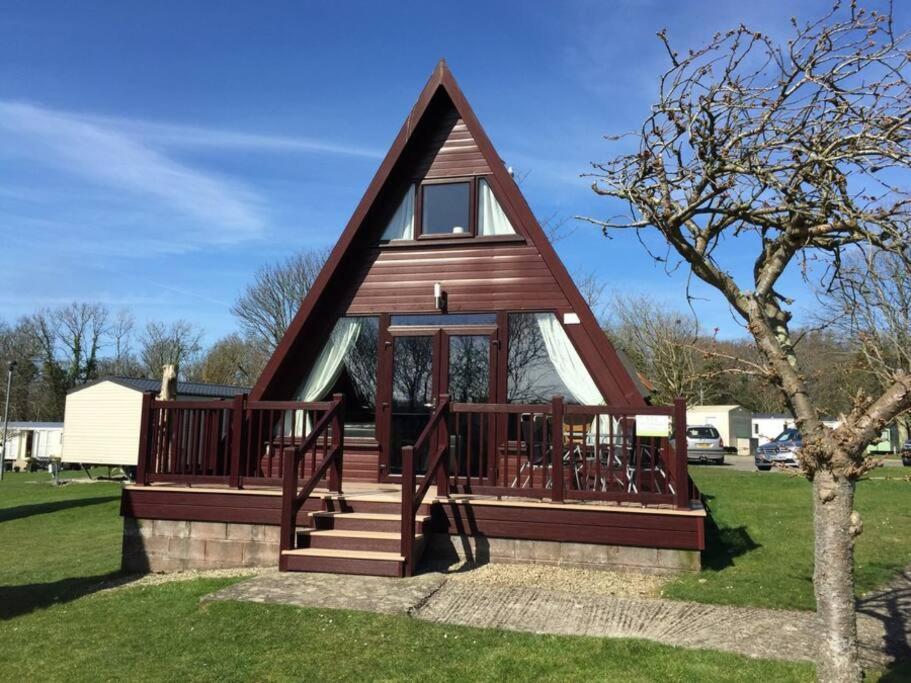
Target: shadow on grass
723, 544
22, 511
18, 600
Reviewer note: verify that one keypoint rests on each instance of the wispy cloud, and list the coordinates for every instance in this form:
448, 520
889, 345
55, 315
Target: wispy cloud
176, 135
119, 161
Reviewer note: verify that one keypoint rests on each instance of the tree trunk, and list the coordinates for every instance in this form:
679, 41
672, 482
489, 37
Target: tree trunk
834, 577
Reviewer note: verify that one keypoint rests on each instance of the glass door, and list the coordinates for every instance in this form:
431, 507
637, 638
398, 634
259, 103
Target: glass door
414, 387
423, 360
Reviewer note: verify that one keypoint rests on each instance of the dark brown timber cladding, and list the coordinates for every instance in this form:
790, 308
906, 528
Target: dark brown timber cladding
452, 152
484, 277
198, 506
680, 532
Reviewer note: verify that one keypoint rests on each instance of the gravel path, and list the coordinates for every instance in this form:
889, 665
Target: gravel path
561, 601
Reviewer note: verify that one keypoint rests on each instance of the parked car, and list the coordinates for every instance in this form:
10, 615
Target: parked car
704, 444
906, 453
782, 450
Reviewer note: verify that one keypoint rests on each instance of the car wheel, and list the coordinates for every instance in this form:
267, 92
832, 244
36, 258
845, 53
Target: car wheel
763, 468
906, 462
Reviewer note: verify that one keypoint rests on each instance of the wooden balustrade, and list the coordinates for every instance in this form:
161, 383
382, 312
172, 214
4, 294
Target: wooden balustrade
330, 427
237, 443
565, 452
434, 438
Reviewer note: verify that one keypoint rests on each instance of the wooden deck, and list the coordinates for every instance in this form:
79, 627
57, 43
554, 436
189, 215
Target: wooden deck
369, 517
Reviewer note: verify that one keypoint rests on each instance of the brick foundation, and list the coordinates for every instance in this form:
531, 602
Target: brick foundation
481, 549
157, 545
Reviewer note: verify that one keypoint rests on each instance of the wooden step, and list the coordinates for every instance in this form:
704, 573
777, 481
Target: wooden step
381, 503
379, 541
364, 521
364, 562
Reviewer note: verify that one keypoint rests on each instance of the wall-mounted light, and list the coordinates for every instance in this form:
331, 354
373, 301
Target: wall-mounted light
439, 296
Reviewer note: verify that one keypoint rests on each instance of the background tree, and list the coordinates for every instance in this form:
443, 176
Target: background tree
661, 344
871, 305
230, 360
68, 341
266, 307
17, 343
177, 343
799, 153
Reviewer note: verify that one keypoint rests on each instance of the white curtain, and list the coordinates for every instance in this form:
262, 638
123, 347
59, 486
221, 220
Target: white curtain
327, 368
569, 366
491, 218
401, 225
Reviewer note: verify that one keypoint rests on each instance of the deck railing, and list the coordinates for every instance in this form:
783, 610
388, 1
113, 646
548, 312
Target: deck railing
569, 452
555, 451
432, 444
230, 442
330, 430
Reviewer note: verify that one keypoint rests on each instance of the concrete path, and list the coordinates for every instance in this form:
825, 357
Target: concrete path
883, 622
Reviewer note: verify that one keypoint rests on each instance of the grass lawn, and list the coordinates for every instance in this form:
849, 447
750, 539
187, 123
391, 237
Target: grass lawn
57, 545
760, 538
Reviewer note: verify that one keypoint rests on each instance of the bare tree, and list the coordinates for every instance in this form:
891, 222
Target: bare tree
69, 340
591, 287
267, 306
661, 344
871, 303
176, 343
798, 153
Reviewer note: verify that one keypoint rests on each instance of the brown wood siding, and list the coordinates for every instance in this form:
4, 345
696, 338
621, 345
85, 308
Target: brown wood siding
485, 277
451, 152
653, 530
571, 525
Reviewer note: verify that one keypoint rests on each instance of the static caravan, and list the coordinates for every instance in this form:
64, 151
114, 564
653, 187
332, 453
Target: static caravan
29, 441
101, 422
732, 422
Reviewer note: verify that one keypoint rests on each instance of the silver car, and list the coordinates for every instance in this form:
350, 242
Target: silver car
704, 444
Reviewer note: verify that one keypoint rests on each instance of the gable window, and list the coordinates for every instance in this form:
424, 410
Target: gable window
451, 207
446, 209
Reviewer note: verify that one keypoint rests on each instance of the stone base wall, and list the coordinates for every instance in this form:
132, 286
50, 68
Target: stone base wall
158, 545
447, 549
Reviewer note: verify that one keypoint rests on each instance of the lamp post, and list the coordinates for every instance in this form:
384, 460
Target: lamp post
9, 384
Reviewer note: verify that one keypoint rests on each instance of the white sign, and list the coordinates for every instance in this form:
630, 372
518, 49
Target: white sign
653, 425
571, 319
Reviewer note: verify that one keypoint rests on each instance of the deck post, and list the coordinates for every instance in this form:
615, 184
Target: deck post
408, 508
443, 442
237, 439
338, 437
681, 475
289, 494
145, 438
556, 454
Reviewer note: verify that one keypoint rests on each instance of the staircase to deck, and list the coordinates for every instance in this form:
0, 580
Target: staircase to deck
355, 534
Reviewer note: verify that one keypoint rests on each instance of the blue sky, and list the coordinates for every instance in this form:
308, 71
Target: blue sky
154, 155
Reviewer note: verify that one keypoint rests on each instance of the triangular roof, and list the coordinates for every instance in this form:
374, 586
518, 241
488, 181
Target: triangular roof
610, 376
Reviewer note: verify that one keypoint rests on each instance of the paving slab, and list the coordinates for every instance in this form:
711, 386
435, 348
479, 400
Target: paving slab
335, 591
884, 617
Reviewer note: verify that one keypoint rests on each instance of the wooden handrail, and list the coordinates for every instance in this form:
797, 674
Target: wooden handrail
438, 425
292, 498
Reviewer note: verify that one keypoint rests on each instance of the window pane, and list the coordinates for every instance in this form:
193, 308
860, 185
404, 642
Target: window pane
357, 381
530, 375
469, 368
445, 208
